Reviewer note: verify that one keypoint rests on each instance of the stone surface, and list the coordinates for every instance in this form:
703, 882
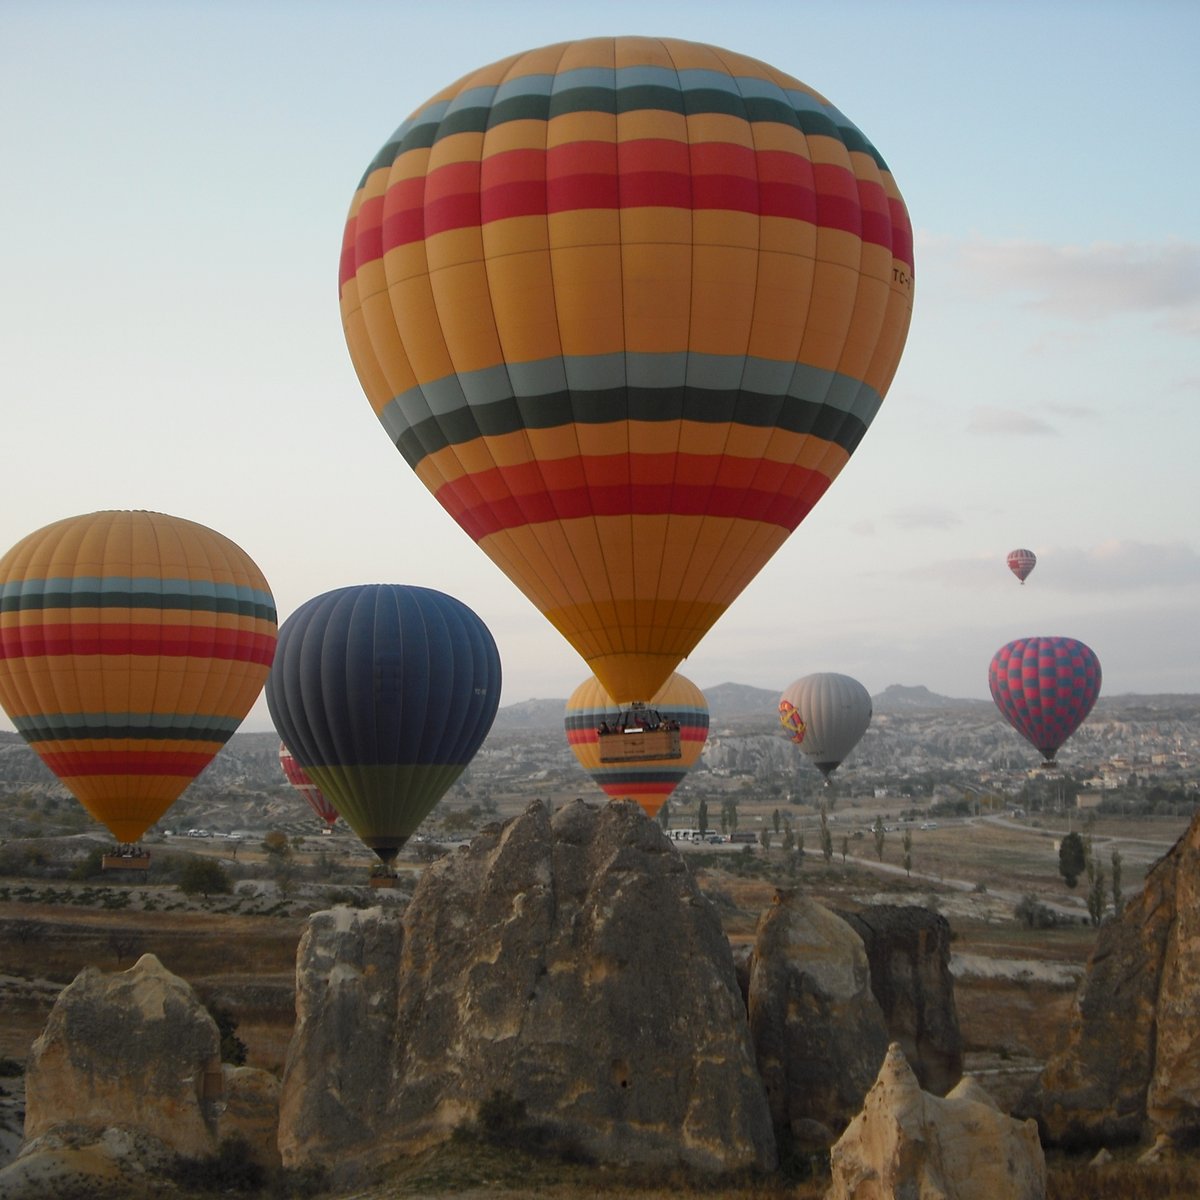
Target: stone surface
571, 964
1130, 1065
910, 1144
908, 950
818, 1032
251, 1111
136, 1050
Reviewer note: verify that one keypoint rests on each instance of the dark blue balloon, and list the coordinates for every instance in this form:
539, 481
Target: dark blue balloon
383, 693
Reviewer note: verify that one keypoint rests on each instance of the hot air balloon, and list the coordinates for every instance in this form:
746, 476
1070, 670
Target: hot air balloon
1044, 688
132, 644
296, 776
1021, 562
679, 709
627, 306
383, 693
826, 714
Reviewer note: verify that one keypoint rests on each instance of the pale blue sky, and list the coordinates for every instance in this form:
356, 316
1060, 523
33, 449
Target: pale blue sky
177, 175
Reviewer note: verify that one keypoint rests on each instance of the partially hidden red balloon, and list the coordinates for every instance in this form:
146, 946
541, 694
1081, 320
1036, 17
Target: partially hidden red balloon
1044, 688
298, 778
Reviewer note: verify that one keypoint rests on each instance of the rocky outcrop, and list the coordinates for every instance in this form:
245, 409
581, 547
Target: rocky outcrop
819, 1035
567, 966
129, 1067
908, 949
1130, 1066
906, 1142
135, 1049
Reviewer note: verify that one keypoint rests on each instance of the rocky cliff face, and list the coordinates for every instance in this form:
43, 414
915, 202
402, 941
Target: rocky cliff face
908, 949
818, 1032
570, 963
1130, 1067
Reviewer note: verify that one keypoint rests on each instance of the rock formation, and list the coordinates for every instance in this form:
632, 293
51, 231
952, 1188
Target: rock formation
134, 1049
819, 1034
908, 949
1130, 1066
129, 1066
906, 1142
568, 964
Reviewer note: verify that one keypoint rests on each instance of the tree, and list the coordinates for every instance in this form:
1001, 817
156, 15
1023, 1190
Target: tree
878, 830
789, 839
206, 876
845, 848
1095, 900
729, 813
702, 816
664, 816
906, 842
826, 836
776, 819
764, 838
276, 844
1118, 899
1072, 859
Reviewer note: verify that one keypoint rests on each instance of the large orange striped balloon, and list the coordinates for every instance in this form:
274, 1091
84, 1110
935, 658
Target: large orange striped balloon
649, 782
132, 644
627, 306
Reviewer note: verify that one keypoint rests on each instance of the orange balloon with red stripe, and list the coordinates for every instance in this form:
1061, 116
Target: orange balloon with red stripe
649, 782
132, 645
627, 306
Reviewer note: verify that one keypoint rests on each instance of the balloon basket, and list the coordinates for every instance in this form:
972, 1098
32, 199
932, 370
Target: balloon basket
137, 861
382, 881
641, 735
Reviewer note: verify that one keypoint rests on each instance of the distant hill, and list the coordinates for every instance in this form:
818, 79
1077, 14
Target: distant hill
900, 698
530, 715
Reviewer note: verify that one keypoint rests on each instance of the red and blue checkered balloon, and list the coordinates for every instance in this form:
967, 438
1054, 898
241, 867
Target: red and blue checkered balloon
1045, 687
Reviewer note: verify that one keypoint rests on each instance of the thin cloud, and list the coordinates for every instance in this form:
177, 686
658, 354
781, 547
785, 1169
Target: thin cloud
987, 419
1120, 566
925, 517
1106, 279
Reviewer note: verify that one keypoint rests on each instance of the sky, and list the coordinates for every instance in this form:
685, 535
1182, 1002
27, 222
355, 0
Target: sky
176, 178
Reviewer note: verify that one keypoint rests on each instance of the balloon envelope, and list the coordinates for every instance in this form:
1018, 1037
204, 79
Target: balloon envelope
826, 715
132, 644
627, 306
1045, 687
647, 782
1021, 562
296, 776
384, 693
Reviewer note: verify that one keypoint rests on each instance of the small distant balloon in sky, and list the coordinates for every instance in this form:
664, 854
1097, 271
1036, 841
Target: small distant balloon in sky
1021, 562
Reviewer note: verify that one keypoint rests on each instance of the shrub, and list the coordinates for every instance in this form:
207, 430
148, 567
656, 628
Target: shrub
1033, 914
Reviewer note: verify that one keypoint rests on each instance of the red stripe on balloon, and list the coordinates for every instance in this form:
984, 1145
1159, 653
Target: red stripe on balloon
651, 172
71, 763
500, 498
171, 641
